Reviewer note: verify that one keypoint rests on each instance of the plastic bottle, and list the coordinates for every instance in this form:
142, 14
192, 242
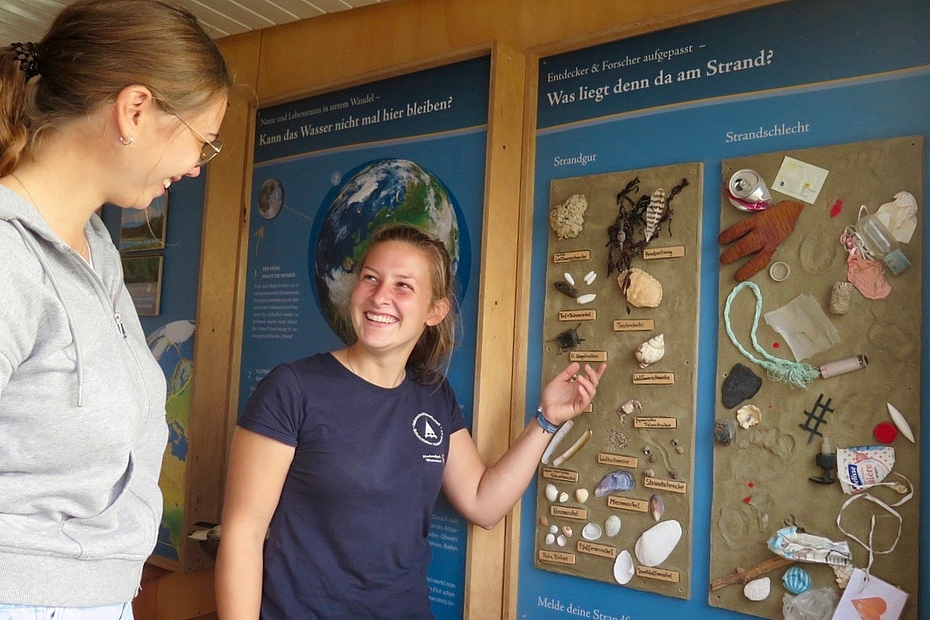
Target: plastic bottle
881, 243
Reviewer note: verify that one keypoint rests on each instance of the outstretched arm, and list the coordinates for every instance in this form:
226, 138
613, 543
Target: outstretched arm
484, 495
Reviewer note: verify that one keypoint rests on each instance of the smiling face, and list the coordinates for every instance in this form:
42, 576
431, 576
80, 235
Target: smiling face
393, 301
167, 151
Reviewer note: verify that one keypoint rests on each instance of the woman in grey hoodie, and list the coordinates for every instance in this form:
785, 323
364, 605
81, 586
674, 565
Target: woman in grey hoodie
120, 99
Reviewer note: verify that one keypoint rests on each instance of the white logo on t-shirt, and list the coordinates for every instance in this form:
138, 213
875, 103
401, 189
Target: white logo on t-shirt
427, 429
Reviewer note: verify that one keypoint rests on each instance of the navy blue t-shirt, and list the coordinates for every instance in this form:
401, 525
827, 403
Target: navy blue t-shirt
349, 536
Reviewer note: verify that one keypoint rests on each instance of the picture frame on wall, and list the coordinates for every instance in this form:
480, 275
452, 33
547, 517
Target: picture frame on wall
143, 277
144, 230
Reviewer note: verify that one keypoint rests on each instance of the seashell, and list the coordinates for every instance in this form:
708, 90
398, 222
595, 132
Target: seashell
623, 567
563, 497
657, 543
654, 213
568, 531
651, 351
561, 540
543, 521
649, 473
796, 580
586, 298
556, 440
612, 525
573, 449
748, 416
656, 507
590, 277
553, 529
643, 291
725, 431
552, 493
566, 289
568, 278
870, 608
591, 531
550, 538
615, 481
630, 406
567, 218
581, 495
758, 589
900, 421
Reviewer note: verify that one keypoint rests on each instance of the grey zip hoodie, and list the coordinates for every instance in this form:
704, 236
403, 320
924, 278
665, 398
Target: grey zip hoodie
82, 420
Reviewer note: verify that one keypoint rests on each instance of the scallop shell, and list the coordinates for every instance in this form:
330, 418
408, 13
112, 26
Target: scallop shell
658, 542
644, 291
748, 416
552, 493
758, 589
619, 480
796, 580
623, 568
591, 531
651, 351
612, 525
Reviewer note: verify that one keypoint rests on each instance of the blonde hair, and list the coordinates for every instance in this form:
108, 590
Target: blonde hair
92, 51
432, 351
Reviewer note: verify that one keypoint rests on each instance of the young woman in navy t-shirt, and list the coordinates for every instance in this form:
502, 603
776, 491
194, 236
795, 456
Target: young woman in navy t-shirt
343, 454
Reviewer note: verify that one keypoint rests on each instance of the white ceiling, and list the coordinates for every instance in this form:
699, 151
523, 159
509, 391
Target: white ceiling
27, 20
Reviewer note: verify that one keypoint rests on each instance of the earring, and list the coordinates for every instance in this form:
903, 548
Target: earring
126, 142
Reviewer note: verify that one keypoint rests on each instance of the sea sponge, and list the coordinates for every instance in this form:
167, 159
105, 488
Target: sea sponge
567, 218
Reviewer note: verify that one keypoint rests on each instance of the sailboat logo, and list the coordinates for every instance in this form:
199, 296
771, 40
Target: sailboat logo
427, 429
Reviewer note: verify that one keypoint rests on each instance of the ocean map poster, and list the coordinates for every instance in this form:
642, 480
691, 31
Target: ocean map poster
328, 170
787, 77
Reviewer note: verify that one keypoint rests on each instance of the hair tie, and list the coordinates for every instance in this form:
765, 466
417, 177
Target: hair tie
28, 59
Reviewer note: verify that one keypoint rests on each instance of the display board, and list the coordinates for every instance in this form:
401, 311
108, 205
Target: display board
623, 265
781, 79
769, 470
328, 170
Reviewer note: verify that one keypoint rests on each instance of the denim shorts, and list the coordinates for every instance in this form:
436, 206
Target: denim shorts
105, 612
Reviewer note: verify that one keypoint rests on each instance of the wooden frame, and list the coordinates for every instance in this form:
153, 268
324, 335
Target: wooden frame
143, 231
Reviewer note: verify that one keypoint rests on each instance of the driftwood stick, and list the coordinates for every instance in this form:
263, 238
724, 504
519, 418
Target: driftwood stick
745, 575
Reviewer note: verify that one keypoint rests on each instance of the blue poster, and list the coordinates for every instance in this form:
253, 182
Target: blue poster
790, 76
328, 170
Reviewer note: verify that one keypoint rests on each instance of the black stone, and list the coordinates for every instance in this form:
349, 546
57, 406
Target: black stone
740, 384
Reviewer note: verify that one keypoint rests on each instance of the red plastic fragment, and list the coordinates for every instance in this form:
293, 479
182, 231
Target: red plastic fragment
885, 432
836, 208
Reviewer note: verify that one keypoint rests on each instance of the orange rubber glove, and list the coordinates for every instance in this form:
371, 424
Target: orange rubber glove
759, 234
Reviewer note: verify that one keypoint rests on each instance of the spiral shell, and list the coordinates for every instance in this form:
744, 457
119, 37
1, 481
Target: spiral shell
643, 291
651, 351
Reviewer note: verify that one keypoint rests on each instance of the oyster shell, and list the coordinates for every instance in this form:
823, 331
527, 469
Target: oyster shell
623, 567
643, 291
748, 416
651, 351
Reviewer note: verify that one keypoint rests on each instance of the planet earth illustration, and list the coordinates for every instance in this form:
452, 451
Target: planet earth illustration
381, 192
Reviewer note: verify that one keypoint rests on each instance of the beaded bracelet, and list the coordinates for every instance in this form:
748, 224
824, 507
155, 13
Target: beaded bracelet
546, 425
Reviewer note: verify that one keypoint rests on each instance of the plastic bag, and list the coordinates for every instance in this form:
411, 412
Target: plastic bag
815, 604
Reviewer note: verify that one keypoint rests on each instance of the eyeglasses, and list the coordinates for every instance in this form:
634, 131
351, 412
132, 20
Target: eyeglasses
211, 148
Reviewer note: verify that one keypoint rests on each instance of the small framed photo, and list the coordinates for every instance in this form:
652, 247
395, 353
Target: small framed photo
145, 229
142, 275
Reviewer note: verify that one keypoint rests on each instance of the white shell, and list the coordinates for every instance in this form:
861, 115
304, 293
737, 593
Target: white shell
658, 542
568, 278
651, 351
623, 567
563, 497
585, 299
758, 589
612, 525
552, 493
900, 422
591, 531
550, 538
581, 495
748, 416
561, 540
553, 529
568, 531
590, 276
